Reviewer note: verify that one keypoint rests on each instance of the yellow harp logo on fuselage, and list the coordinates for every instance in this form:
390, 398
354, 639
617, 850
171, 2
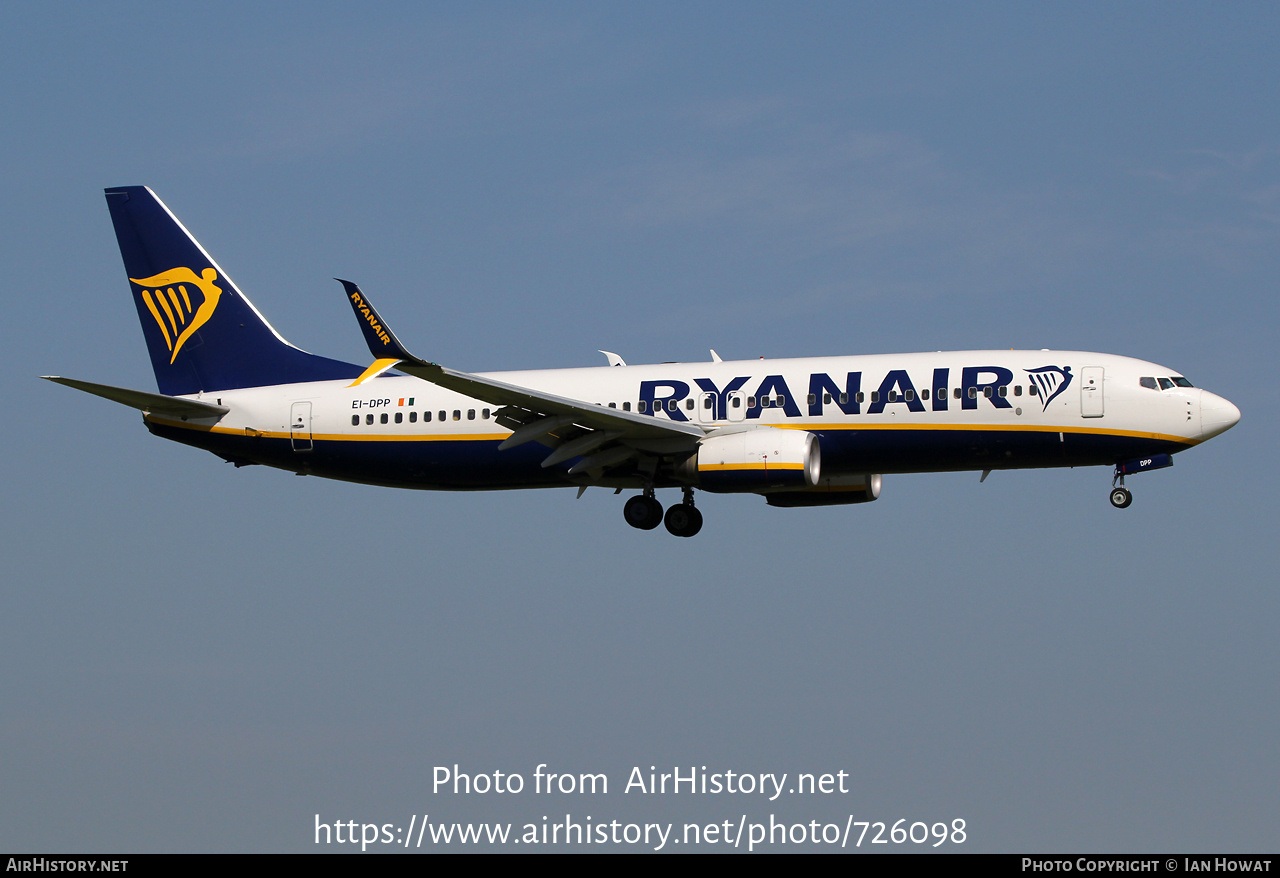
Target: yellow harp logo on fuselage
169, 301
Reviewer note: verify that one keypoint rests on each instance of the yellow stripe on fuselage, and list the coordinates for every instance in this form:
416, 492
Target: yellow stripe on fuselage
469, 437
333, 437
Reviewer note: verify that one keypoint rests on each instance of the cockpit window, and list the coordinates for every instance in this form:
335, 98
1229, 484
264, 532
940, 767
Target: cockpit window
1166, 384
1149, 383
1182, 382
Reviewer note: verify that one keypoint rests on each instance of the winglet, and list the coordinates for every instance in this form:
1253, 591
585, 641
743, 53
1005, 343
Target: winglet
382, 342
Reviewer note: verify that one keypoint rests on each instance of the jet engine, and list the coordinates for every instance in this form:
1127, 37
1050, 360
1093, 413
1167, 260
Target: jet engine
834, 491
754, 459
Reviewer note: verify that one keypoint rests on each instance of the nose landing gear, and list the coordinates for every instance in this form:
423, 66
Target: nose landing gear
1121, 496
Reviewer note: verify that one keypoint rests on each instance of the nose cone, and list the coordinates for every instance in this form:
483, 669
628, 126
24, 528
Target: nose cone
1216, 415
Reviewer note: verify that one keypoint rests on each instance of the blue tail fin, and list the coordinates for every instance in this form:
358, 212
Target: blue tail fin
202, 333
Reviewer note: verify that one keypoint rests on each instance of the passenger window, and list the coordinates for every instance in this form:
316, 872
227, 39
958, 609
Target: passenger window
457, 414
355, 420
782, 399
368, 419
443, 415
751, 402
642, 406
426, 416
688, 405
986, 391
706, 403
383, 418
1032, 390
940, 393
844, 398
484, 413
399, 417
812, 399
924, 394
875, 396
471, 414
413, 417
1017, 390
671, 405
1004, 390
956, 393
973, 393
893, 396
826, 399
613, 405
1149, 383
626, 406
909, 395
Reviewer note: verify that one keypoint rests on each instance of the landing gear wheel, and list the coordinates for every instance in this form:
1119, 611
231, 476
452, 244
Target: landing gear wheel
643, 512
683, 520
1121, 497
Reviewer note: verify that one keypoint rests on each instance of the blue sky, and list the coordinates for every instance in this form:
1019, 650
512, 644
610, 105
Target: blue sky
197, 658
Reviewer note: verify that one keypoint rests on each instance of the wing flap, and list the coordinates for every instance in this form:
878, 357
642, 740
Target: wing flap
593, 417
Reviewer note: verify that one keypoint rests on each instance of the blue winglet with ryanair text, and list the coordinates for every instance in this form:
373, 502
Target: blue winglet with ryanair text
382, 342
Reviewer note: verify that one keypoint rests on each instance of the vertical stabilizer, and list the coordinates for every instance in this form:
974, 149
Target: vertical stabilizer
201, 332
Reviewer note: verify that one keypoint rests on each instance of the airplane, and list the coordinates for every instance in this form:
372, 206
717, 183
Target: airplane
798, 432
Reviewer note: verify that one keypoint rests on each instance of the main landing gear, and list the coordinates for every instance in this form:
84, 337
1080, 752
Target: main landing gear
645, 512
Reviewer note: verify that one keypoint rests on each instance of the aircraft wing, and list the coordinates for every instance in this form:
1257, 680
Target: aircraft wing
579, 428
151, 403
595, 417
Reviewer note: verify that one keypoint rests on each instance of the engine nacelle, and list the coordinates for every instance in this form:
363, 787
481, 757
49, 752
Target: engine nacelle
756, 459
835, 491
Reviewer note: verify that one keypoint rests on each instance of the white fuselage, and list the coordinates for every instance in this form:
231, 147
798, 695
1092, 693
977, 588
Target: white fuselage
875, 413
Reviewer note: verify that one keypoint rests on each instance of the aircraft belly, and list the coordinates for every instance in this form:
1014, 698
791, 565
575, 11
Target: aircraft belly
908, 451
444, 464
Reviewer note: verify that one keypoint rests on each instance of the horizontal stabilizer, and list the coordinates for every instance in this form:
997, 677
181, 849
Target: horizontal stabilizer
151, 403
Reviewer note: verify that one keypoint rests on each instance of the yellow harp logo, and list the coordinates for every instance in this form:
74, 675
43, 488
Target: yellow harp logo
169, 302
